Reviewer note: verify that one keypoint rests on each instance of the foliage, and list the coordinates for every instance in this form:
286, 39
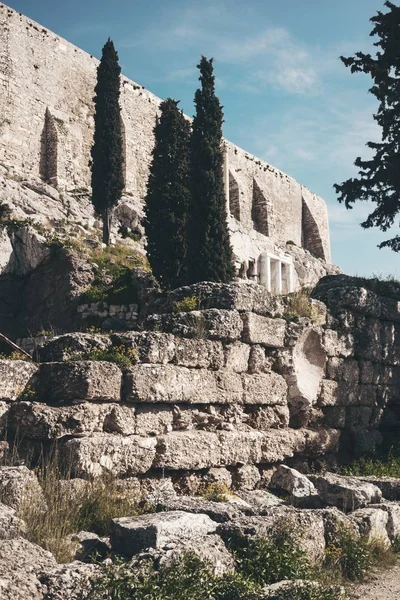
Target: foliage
349, 556
168, 197
120, 355
310, 591
186, 305
107, 156
88, 507
378, 180
113, 283
28, 395
299, 305
14, 355
377, 467
215, 492
210, 253
272, 559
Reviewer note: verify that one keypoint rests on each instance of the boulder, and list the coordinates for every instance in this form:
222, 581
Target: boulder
302, 492
16, 376
71, 581
217, 511
21, 564
393, 518
62, 347
267, 332
246, 477
151, 346
372, 523
62, 383
19, 487
130, 535
389, 486
347, 493
108, 453
10, 525
90, 546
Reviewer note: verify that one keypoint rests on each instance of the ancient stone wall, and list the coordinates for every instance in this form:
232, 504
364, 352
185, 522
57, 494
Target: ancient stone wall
241, 382
46, 128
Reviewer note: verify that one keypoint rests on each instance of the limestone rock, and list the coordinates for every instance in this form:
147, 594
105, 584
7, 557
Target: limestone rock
246, 477
260, 500
335, 524
108, 453
62, 347
269, 417
302, 492
389, 486
10, 525
372, 524
219, 475
264, 389
130, 535
72, 581
217, 511
223, 325
62, 383
347, 493
4, 416
393, 518
237, 357
264, 331
19, 487
90, 546
27, 250
37, 421
199, 354
15, 377
338, 343
21, 564
152, 347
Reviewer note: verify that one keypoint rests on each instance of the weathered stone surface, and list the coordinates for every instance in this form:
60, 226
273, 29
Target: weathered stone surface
171, 384
300, 489
155, 419
219, 475
237, 357
62, 347
307, 527
20, 566
335, 524
246, 477
130, 535
264, 389
269, 417
393, 518
152, 347
372, 524
200, 354
259, 362
389, 486
260, 500
267, 332
108, 453
224, 325
341, 369
347, 493
10, 525
72, 581
78, 381
15, 377
90, 546
37, 421
338, 343
4, 415
217, 511
19, 487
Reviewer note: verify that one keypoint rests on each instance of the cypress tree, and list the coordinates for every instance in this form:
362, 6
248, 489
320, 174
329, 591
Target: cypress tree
379, 178
168, 195
210, 256
107, 158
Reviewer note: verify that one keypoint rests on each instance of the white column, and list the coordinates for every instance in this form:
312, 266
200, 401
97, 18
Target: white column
291, 278
226, 175
279, 278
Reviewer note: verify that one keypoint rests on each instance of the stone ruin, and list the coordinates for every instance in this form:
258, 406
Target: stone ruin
46, 99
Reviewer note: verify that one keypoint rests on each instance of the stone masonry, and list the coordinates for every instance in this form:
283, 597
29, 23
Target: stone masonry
46, 129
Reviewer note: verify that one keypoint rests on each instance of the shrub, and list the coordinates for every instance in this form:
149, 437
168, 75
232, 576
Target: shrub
15, 355
299, 305
368, 467
215, 492
308, 590
120, 355
350, 557
186, 305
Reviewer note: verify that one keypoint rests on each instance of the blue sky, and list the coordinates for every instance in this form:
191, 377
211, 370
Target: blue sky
287, 98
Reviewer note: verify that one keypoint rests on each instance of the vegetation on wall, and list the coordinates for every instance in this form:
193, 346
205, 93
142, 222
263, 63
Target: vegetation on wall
107, 155
378, 178
168, 197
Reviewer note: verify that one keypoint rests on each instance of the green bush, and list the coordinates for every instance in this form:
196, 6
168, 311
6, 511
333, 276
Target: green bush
350, 557
186, 305
368, 467
215, 492
309, 591
120, 355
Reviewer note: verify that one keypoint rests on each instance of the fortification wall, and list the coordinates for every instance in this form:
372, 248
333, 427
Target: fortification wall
46, 129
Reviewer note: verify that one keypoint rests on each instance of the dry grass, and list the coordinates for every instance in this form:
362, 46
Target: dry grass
299, 305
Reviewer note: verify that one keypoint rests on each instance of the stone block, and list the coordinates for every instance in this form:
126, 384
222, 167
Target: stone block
154, 420
79, 381
246, 477
20, 486
341, 369
358, 416
11, 526
107, 453
15, 377
223, 325
62, 347
346, 493
199, 354
152, 347
237, 357
265, 331
335, 416
38, 421
300, 489
338, 343
372, 523
393, 518
269, 417
172, 384
131, 535
258, 361
264, 389
389, 486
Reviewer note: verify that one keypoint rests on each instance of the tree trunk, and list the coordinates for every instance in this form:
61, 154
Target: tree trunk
106, 226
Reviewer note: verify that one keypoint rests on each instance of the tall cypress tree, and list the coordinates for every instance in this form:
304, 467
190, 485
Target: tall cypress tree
168, 195
107, 157
210, 256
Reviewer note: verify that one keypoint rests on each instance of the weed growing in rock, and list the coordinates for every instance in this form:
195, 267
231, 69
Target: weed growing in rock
350, 557
299, 304
15, 355
215, 492
368, 467
186, 305
120, 355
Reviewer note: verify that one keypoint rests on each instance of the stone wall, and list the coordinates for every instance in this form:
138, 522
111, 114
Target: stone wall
47, 87
240, 383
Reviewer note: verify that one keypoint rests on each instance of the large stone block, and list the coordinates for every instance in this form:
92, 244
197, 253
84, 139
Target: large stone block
341, 369
389, 486
372, 523
19, 487
199, 354
151, 347
10, 525
15, 377
62, 347
338, 343
78, 381
264, 389
131, 535
269, 417
237, 357
108, 453
347, 493
171, 384
264, 331
38, 421
302, 492
224, 325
